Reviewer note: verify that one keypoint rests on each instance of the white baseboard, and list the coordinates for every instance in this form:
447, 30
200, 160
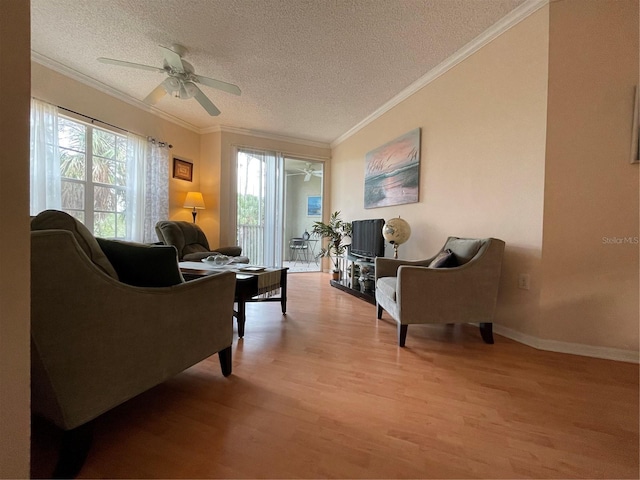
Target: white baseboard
607, 353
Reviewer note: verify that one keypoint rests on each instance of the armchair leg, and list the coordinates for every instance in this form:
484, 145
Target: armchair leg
379, 311
74, 450
402, 334
225, 361
486, 330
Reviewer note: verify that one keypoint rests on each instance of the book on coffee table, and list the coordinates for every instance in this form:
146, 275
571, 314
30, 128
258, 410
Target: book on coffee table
252, 269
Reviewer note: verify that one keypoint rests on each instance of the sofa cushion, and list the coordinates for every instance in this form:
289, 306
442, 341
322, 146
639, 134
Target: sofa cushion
387, 286
143, 265
463, 248
445, 259
58, 220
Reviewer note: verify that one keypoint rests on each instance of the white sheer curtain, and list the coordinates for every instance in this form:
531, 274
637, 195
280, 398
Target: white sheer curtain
147, 187
136, 157
156, 181
45, 181
259, 178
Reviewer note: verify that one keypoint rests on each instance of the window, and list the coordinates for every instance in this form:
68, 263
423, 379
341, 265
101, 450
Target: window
117, 185
93, 164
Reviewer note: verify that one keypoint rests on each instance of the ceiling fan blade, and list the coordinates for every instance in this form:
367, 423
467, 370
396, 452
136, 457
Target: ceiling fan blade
172, 58
307, 176
220, 85
156, 94
205, 102
121, 63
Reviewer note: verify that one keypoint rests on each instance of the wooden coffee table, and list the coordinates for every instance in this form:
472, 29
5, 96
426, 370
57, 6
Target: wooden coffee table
248, 287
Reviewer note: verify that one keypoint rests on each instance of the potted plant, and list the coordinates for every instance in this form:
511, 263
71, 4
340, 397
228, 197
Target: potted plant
335, 231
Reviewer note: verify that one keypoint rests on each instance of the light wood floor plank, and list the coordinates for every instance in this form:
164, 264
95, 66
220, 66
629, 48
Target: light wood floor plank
325, 392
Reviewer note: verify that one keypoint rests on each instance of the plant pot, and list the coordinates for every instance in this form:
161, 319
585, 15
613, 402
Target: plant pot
335, 275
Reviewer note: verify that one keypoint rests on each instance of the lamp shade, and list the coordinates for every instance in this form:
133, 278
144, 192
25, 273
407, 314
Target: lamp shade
194, 200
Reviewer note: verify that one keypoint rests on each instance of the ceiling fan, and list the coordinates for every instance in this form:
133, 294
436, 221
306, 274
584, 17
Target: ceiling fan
308, 172
181, 80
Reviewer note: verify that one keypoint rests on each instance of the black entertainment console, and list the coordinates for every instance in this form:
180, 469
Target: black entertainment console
358, 280
367, 243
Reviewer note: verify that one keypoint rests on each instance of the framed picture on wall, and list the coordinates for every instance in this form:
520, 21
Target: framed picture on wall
314, 206
182, 169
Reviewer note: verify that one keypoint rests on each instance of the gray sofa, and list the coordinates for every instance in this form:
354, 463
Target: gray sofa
457, 285
101, 335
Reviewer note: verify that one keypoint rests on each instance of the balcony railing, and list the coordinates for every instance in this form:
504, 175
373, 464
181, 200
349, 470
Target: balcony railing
251, 239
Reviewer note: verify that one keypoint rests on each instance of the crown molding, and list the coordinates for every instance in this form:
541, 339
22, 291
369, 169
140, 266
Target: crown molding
106, 89
267, 135
497, 29
607, 353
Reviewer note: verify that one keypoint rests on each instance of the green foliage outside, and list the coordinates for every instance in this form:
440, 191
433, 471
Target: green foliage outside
108, 175
250, 210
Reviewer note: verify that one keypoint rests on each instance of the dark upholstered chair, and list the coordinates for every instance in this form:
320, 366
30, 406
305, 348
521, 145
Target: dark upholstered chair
191, 242
110, 320
458, 285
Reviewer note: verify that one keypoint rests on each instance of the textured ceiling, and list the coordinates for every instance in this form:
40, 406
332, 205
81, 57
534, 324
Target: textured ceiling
308, 69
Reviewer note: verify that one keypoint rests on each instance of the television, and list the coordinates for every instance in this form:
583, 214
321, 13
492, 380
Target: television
367, 241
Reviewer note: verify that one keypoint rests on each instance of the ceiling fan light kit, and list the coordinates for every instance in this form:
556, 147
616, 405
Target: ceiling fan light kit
181, 80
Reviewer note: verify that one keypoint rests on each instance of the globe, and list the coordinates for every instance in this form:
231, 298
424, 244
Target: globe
396, 231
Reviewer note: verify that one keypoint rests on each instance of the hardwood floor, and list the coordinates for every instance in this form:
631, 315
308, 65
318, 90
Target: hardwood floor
324, 392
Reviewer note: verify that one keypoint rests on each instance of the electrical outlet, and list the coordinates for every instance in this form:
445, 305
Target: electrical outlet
524, 281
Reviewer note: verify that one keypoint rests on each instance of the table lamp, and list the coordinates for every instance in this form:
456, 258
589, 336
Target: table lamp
194, 200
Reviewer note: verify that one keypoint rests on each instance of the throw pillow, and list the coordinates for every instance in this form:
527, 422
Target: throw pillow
464, 248
143, 265
57, 220
445, 259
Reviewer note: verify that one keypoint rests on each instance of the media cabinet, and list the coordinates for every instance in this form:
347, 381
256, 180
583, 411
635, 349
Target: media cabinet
358, 279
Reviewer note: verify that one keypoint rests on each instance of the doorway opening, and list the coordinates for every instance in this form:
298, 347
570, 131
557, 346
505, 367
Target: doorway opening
279, 198
303, 207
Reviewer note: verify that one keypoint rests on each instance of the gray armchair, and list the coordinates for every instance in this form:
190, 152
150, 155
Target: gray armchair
458, 285
191, 242
97, 341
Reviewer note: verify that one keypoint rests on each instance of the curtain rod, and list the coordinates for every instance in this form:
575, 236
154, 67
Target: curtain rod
150, 139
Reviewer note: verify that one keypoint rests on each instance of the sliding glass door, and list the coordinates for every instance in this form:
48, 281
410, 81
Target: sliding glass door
303, 207
260, 206
279, 197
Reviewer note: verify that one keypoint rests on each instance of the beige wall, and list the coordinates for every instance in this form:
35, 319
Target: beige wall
14, 240
209, 219
532, 134
66, 92
590, 282
482, 160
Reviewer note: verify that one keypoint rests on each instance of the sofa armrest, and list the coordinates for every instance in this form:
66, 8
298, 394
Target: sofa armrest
446, 295
233, 251
143, 265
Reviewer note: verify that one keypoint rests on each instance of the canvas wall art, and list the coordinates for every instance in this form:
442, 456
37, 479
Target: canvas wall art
314, 206
392, 172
